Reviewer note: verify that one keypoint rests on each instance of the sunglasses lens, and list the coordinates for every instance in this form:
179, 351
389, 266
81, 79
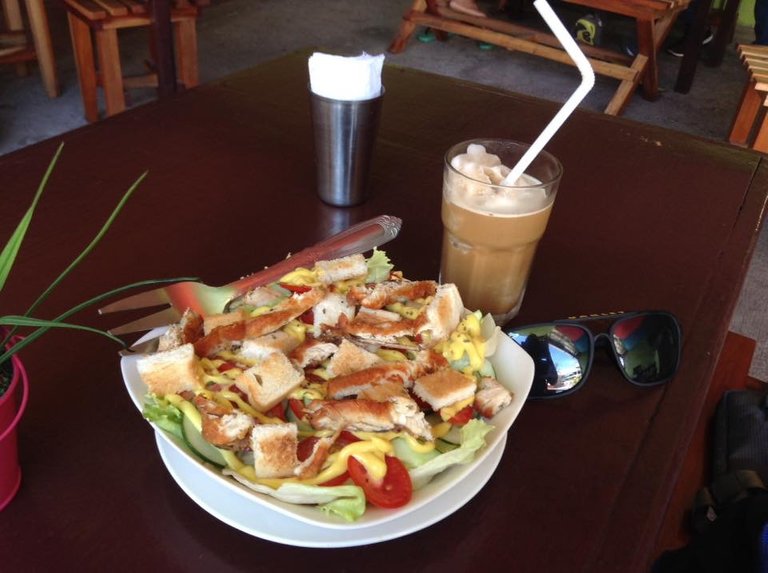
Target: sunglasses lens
561, 355
647, 346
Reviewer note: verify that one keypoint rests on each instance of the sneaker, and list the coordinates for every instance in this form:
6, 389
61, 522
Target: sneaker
678, 48
589, 30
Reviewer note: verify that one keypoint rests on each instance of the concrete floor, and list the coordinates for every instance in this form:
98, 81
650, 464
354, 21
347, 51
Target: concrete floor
236, 34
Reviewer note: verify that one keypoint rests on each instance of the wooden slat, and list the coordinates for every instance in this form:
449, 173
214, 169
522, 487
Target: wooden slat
113, 7
90, 11
136, 7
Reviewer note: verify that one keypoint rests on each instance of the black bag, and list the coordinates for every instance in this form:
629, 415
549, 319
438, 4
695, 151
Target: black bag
730, 517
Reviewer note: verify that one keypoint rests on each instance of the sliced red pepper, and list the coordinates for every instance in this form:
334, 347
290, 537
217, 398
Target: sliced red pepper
296, 288
308, 317
223, 367
305, 447
297, 407
462, 416
277, 411
345, 438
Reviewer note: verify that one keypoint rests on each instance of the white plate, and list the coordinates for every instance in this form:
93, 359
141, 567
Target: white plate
266, 524
514, 368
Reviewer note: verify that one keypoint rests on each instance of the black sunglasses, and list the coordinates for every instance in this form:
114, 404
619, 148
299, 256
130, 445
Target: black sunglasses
646, 346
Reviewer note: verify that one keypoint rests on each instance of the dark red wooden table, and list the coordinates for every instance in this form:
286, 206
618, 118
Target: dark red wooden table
646, 218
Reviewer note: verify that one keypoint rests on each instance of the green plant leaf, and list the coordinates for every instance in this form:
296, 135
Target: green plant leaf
89, 247
18, 320
11, 249
42, 326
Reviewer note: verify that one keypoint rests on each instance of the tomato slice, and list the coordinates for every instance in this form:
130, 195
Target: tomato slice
394, 490
462, 416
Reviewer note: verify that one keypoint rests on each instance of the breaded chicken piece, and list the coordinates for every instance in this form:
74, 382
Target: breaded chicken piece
491, 397
223, 336
223, 426
369, 416
388, 292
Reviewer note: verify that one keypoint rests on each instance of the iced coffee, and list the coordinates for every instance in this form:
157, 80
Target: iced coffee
491, 230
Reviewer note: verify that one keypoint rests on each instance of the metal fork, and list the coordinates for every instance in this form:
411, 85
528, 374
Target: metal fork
206, 299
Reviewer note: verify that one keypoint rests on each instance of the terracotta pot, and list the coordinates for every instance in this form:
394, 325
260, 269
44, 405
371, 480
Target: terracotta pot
12, 405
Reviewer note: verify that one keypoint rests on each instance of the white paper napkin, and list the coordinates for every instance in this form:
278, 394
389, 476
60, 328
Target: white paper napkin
345, 78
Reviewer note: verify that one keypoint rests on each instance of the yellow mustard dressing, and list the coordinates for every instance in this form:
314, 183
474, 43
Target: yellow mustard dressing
467, 341
450, 411
370, 453
301, 277
297, 329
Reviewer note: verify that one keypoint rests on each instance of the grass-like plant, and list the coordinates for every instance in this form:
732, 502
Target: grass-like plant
32, 328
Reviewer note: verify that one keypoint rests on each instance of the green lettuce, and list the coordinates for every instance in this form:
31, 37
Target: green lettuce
472, 439
379, 267
164, 414
345, 501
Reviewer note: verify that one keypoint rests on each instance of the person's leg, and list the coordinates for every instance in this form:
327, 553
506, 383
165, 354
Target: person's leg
467, 7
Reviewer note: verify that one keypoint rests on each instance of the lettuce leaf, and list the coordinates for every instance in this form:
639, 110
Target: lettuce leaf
345, 501
472, 439
164, 414
379, 267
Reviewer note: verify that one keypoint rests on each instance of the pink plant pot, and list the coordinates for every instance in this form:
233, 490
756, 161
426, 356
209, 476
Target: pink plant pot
12, 405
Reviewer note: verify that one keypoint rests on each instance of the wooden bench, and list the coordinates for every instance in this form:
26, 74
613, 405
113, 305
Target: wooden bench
750, 126
101, 20
654, 19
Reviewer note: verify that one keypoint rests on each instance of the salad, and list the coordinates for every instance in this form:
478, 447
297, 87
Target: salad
340, 385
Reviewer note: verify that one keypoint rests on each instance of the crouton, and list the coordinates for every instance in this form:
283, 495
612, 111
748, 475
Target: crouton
269, 381
274, 450
171, 371
444, 388
351, 267
351, 358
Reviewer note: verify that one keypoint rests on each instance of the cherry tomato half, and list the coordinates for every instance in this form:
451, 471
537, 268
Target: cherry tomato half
394, 490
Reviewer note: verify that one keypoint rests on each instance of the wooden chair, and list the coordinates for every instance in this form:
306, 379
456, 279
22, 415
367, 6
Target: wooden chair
750, 126
101, 20
654, 20
16, 48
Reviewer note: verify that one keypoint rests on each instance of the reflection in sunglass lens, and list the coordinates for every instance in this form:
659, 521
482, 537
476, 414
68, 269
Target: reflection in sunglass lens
647, 347
561, 355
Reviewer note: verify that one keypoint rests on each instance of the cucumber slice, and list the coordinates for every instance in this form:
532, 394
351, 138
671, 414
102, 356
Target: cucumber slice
199, 446
453, 436
443, 446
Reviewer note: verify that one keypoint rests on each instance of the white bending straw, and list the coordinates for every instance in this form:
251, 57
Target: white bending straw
587, 81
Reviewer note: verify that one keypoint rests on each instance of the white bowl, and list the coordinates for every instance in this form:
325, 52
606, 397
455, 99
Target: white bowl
514, 369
